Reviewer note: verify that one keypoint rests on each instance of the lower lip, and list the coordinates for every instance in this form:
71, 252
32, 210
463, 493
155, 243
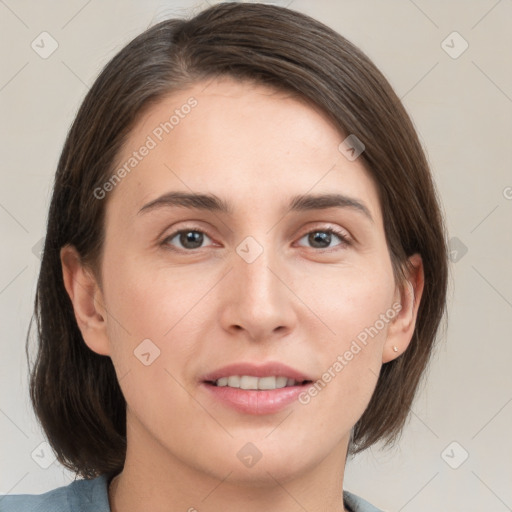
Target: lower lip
252, 401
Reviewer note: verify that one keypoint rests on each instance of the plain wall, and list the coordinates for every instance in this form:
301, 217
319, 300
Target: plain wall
462, 108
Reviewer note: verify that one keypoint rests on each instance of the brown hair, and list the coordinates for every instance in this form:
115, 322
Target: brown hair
74, 391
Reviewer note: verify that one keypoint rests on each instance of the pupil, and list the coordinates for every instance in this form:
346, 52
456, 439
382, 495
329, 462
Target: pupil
191, 237
326, 237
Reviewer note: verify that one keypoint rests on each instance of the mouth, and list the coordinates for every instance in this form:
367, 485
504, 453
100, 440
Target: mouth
252, 376
249, 394
255, 389
251, 382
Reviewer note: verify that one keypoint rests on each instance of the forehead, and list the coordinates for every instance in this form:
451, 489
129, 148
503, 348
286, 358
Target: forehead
258, 145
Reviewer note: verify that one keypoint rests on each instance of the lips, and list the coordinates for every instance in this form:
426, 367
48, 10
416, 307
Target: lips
270, 369
255, 401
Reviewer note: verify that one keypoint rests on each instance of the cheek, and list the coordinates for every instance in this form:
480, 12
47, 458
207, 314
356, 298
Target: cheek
154, 316
146, 314
349, 300
147, 302
357, 312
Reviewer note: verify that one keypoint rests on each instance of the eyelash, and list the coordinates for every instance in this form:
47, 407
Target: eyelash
345, 241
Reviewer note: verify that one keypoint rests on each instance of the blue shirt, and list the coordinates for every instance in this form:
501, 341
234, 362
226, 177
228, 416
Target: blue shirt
92, 496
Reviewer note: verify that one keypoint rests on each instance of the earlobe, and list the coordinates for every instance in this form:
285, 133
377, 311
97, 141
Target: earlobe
401, 330
87, 300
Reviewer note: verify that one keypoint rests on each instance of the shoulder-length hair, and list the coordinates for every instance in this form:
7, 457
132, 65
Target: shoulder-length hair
74, 391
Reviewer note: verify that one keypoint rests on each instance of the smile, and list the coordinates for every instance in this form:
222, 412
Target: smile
256, 383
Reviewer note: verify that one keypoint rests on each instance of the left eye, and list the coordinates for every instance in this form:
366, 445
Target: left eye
191, 239
323, 236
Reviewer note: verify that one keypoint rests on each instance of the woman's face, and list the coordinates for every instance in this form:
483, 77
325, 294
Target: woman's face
263, 282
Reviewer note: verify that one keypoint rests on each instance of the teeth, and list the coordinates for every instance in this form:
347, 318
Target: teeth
247, 382
234, 381
281, 382
250, 382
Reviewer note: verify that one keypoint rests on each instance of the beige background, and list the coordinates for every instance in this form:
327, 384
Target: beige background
462, 108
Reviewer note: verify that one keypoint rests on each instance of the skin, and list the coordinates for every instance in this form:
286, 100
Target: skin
209, 307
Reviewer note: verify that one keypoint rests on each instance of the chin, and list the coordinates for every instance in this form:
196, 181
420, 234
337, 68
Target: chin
260, 463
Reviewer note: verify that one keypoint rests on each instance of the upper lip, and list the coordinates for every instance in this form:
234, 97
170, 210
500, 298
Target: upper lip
272, 368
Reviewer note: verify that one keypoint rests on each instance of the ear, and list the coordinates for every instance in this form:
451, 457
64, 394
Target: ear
87, 299
401, 328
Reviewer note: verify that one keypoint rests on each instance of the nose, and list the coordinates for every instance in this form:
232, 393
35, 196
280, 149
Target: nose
257, 299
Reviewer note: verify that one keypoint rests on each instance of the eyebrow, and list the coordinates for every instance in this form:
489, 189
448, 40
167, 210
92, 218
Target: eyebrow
211, 202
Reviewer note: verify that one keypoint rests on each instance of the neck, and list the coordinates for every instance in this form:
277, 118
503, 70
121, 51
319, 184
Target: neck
153, 479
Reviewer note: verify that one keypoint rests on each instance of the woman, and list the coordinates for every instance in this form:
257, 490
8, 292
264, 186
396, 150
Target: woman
244, 271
